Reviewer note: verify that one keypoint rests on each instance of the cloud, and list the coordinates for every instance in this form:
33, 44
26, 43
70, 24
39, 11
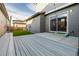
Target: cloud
31, 6
17, 14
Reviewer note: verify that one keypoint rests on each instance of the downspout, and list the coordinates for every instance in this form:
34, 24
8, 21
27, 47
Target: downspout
10, 23
78, 40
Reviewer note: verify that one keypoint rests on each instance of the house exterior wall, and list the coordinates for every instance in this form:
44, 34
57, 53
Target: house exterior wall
3, 23
42, 23
20, 25
28, 24
8, 23
73, 18
35, 25
52, 6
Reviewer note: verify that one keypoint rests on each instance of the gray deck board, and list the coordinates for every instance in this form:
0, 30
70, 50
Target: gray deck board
4, 44
38, 49
64, 49
37, 45
22, 52
17, 51
31, 46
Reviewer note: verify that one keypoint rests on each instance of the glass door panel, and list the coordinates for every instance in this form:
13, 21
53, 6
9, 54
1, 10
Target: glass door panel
53, 25
62, 23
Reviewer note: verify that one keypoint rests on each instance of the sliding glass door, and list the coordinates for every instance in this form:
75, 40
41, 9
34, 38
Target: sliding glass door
59, 23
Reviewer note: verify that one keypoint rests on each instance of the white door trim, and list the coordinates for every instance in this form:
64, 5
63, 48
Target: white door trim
60, 15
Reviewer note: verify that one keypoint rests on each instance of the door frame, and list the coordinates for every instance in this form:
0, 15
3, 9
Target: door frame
60, 15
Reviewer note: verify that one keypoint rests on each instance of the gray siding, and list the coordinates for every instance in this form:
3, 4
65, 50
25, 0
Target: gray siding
73, 18
35, 25
52, 6
42, 23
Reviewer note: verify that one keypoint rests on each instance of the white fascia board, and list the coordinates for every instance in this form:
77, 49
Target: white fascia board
59, 8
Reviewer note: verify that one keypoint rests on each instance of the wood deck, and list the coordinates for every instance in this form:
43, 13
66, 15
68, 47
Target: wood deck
35, 45
4, 44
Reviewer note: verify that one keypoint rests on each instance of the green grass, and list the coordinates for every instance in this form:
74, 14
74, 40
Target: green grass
20, 33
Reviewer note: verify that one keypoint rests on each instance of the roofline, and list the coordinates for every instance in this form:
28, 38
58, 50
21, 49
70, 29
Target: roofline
35, 15
19, 23
19, 20
59, 8
4, 11
54, 10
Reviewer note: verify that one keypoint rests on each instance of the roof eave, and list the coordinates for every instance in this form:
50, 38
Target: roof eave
35, 15
59, 8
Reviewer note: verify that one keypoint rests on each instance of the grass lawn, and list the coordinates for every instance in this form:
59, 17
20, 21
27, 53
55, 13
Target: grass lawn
20, 33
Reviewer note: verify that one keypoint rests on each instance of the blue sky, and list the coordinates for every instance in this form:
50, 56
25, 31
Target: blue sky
20, 10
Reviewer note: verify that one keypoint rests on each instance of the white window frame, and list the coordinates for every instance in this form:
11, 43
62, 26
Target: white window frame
60, 15
53, 17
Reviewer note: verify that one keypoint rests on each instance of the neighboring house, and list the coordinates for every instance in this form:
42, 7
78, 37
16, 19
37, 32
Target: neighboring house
19, 24
4, 19
58, 17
